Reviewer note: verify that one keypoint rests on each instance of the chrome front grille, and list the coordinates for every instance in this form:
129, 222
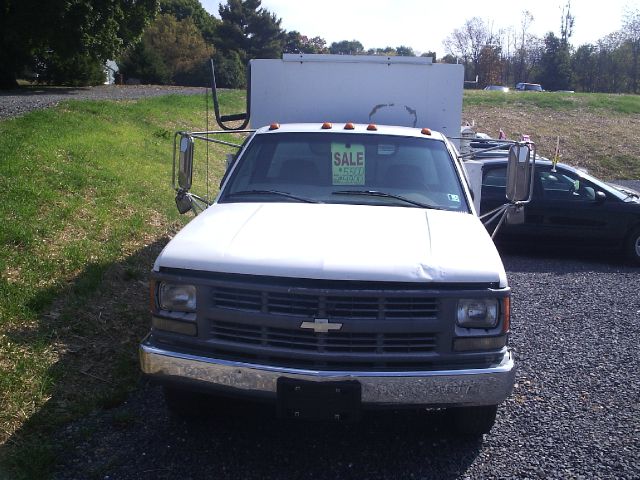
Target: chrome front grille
339, 342
389, 327
332, 306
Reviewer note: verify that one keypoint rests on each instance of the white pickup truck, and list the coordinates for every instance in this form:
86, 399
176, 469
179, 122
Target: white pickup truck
342, 265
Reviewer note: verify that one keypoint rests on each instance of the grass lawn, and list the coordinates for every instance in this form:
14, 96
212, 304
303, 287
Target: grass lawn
86, 205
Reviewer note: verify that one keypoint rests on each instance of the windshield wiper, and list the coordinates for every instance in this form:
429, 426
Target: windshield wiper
272, 192
378, 193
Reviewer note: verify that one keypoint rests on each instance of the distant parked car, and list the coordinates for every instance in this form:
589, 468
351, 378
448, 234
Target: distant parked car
569, 208
498, 88
529, 87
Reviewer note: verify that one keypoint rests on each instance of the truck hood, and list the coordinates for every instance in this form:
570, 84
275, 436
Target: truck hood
337, 242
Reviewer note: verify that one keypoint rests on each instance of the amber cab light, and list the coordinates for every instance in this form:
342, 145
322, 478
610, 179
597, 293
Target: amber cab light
327, 126
349, 126
274, 126
426, 131
372, 128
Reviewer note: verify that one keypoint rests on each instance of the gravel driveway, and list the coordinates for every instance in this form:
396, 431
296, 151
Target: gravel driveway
574, 413
18, 102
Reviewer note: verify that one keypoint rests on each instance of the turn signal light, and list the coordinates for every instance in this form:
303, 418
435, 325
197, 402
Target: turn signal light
479, 343
153, 306
506, 314
175, 326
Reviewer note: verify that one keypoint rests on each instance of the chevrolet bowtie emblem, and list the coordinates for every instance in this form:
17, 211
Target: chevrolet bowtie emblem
321, 325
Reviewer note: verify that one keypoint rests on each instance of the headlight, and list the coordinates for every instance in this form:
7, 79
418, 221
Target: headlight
478, 313
177, 298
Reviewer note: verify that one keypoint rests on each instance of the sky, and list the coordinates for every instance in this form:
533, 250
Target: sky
423, 24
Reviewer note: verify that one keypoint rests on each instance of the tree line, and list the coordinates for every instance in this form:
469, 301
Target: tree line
508, 56
176, 46
171, 42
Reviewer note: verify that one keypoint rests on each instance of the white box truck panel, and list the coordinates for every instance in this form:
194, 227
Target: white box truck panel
405, 91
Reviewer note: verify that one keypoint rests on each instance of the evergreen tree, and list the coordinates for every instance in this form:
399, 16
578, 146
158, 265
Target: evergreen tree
555, 65
405, 51
249, 30
584, 66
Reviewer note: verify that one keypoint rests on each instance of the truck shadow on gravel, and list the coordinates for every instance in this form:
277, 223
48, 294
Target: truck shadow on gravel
245, 440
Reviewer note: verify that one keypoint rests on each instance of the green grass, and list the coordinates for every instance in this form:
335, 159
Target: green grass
86, 205
621, 166
594, 102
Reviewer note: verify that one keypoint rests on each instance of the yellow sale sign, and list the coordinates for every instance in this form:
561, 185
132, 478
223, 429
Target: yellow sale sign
348, 164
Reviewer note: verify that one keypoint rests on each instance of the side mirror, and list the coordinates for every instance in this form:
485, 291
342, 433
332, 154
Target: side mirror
600, 196
519, 171
185, 162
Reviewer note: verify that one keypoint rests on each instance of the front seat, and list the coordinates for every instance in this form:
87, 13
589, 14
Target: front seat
295, 171
407, 176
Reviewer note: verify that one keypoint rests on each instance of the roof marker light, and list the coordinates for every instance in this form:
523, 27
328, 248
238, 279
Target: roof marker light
425, 131
372, 127
349, 126
327, 126
274, 126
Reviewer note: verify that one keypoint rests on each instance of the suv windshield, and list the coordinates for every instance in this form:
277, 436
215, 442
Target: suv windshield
346, 168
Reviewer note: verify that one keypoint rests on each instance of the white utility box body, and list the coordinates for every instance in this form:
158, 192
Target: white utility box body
403, 91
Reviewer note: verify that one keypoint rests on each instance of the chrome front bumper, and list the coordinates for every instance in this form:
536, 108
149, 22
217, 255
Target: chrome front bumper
485, 386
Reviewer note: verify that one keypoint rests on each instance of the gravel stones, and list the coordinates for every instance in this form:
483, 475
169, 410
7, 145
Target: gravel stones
574, 413
20, 101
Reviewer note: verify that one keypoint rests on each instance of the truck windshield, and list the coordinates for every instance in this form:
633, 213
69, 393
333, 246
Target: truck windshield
346, 168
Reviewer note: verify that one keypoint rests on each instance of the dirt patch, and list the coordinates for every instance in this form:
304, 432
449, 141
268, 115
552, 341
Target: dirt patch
605, 144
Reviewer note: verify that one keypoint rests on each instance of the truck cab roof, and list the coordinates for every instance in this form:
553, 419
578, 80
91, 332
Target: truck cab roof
360, 128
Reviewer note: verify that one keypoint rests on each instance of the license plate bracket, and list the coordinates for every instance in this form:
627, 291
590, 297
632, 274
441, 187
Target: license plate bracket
332, 400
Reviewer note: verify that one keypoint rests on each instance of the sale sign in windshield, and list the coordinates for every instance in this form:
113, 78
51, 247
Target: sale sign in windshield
348, 163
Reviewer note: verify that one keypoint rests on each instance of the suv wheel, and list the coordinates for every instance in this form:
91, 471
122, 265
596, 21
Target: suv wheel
473, 422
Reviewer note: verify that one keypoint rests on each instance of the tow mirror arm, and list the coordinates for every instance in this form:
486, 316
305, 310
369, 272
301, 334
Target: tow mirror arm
183, 164
519, 188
